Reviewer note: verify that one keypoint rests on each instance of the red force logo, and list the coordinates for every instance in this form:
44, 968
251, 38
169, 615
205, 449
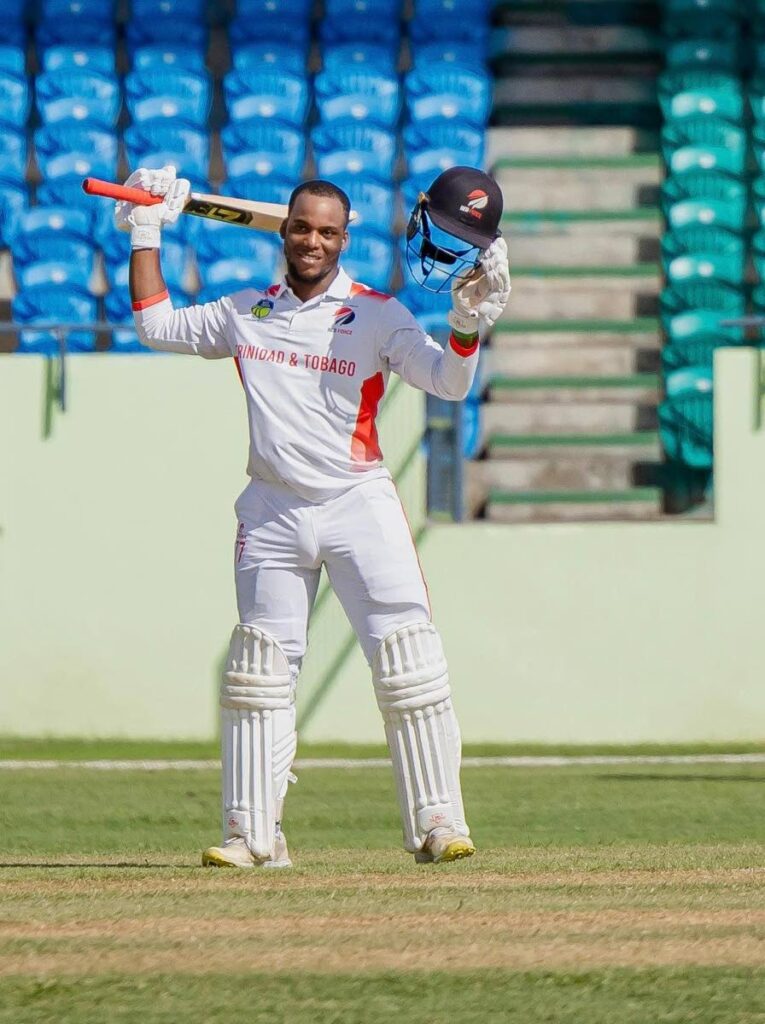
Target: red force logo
477, 201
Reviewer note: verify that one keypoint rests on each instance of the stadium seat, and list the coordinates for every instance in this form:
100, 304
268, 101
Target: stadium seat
701, 294
703, 185
686, 417
225, 277
449, 92
294, 9
693, 212
74, 30
370, 259
411, 188
263, 148
14, 199
163, 30
449, 8
168, 92
66, 190
430, 308
254, 186
347, 56
717, 54
15, 34
359, 27
75, 58
175, 267
266, 93
61, 304
282, 56
264, 30
704, 336
13, 154
73, 148
700, 19
705, 267
433, 146
93, 10
56, 273
447, 51
79, 95
353, 148
12, 60
708, 158
690, 93
14, 101
160, 142
169, 56
187, 10
53, 233
366, 94
704, 130
217, 241
701, 239
382, 9
473, 32
373, 202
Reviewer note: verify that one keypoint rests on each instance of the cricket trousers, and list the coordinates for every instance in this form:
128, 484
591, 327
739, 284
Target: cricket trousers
361, 537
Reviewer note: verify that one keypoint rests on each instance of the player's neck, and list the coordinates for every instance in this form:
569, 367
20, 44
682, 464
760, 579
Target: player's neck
306, 290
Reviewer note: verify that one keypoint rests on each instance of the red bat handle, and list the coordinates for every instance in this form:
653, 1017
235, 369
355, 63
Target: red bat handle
110, 189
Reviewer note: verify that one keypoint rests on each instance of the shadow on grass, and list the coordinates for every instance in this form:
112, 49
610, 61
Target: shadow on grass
90, 864
663, 777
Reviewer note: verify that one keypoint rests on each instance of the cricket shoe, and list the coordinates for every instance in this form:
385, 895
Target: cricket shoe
443, 845
236, 854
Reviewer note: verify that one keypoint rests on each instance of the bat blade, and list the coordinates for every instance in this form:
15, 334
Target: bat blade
245, 212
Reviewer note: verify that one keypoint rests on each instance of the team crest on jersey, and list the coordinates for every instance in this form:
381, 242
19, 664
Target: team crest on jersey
343, 317
262, 308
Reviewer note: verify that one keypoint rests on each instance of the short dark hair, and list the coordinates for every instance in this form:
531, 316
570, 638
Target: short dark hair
319, 187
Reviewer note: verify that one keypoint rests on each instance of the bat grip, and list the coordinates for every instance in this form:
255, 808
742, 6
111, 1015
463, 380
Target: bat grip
110, 189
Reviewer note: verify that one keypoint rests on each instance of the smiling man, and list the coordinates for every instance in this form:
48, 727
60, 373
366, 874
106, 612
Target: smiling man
314, 353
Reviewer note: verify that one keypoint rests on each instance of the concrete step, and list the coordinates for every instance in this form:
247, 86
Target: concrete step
548, 473
637, 503
641, 388
617, 183
593, 99
572, 250
637, 222
569, 360
566, 141
580, 12
642, 333
584, 292
572, 44
638, 446
557, 417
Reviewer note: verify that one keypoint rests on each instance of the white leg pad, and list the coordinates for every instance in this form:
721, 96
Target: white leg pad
258, 738
411, 684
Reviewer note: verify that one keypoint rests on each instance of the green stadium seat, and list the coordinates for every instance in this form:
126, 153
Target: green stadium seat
704, 185
702, 239
717, 54
681, 296
686, 424
708, 158
693, 337
702, 131
707, 212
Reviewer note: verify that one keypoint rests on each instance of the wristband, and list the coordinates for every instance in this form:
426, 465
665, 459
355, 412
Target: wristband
145, 236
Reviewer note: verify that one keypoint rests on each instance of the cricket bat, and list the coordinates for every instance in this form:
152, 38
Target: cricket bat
249, 214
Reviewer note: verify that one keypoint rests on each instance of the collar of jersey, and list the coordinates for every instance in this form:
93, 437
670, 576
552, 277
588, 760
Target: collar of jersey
340, 288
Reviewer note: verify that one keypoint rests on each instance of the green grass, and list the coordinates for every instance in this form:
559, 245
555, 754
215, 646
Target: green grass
599, 895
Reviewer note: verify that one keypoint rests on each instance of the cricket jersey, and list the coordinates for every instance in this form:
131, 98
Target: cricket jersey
314, 373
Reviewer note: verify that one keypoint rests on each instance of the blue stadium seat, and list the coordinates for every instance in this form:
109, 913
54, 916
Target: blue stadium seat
686, 417
15, 11
217, 241
74, 31
186, 10
360, 27
433, 146
227, 276
165, 30
14, 101
411, 188
449, 92
13, 154
263, 148
352, 148
12, 60
254, 186
14, 199
170, 56
53, 233
448, 51
425, 29
90, 10
277, 56
56, 273
160, 142
46, 304
73, 58
339, 9
366, 94
175, 265
266, 93
294, 9
15, 34
347, 56
370, 258
64, 191
76, 149
430, 308
263, 30
168, 92
449, 8
373, 202
79, 95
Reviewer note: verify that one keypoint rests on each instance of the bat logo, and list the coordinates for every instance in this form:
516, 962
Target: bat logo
344, 316
262, 308
215, 212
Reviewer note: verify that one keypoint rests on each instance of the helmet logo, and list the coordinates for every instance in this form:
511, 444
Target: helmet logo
477, 201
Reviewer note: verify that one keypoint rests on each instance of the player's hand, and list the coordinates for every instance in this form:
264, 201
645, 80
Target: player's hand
479, 298
145, 222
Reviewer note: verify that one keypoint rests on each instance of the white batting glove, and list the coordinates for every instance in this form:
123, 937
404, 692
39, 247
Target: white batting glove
145, 222
479, 298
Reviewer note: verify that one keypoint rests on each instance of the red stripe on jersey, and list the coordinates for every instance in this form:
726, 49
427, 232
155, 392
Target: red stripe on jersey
364, 444
238, 366
461, 350
273, 289
151, 301
361, 289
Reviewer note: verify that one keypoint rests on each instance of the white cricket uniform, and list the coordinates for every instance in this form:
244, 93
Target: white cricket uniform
314, 374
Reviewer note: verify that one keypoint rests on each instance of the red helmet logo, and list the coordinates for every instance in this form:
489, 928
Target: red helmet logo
477, 199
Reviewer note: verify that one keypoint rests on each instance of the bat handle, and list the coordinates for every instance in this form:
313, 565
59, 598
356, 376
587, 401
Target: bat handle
110, 189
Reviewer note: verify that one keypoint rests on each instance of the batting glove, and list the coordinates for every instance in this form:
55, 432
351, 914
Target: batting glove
479, 298
146, 222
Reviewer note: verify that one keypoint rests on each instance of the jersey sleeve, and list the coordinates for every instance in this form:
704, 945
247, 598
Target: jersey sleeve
193, 330
419, 360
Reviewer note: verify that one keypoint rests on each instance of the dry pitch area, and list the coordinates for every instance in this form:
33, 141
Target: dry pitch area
599, 894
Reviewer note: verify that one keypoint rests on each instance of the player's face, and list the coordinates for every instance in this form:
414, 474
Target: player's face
314, 236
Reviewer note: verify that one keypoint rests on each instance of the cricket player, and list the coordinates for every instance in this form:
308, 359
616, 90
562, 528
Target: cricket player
314, 353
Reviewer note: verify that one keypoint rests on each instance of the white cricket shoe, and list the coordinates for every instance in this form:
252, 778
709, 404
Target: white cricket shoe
443, 845
235, 854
